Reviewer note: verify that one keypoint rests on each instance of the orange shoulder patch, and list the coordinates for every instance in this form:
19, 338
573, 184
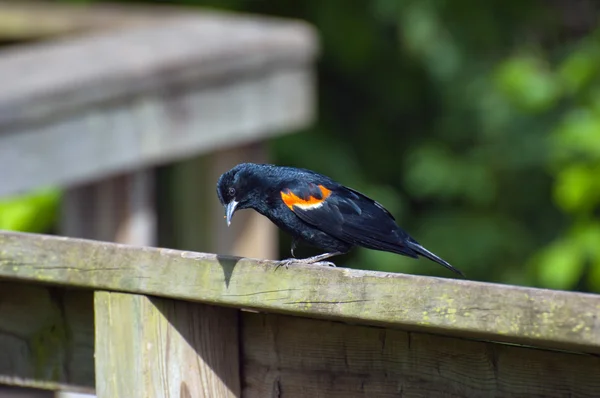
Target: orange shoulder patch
290, 199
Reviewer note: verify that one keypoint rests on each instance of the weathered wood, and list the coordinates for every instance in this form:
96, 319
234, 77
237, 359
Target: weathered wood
118, 209
544, 318
232, 47
295, 357
27, 20
139, 105
149, 347
46, 337
157, 104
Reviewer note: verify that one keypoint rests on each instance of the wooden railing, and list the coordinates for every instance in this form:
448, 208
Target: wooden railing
123, 90
96, 100
173, 323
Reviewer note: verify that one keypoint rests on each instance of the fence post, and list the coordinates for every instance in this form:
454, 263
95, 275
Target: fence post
146, 346
150, 347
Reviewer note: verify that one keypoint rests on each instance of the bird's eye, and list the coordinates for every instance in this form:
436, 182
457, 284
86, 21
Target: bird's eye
231, 191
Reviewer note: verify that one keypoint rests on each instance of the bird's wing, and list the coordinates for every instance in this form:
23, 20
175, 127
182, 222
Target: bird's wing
345, 214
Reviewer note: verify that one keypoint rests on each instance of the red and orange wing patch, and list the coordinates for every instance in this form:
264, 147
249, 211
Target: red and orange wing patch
311, 202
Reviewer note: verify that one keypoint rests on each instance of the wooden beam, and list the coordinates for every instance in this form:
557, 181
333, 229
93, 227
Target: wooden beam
150, 347
158, 104
233, 47
295, 357
545, 318
157, 109
34, 20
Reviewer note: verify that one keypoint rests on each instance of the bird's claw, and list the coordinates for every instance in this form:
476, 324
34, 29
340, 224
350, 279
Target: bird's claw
286, 263
325, 264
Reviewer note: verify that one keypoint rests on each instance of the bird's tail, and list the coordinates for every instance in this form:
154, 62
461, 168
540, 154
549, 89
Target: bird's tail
420, 250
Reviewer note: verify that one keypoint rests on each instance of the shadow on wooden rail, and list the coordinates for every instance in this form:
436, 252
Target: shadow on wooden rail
554, 319
397, 332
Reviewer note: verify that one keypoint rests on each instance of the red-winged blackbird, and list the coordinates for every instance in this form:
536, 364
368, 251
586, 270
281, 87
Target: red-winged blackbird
317, 210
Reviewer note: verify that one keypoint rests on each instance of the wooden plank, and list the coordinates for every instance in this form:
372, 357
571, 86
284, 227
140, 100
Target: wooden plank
232, 46
117, 209
154, 129
46, 337
29, 20
296, 357
139, 105
546, 318
149, 347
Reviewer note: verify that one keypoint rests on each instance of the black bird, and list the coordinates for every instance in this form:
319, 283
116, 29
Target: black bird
317, 210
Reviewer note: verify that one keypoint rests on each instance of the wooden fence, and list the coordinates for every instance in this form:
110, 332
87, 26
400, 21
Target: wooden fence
184, 324
109, 93
97, 100
102, 97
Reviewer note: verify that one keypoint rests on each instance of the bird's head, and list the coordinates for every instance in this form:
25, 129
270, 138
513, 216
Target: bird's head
237, 189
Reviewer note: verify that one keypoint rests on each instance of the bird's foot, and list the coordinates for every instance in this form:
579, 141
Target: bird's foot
324, 264
316, 260
286, 263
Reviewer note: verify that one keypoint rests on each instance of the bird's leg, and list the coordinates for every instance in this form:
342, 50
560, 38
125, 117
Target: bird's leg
294, 245
319, 258
311, 260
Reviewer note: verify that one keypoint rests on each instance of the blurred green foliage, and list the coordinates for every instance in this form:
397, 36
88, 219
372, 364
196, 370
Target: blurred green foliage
476, 123
35, 212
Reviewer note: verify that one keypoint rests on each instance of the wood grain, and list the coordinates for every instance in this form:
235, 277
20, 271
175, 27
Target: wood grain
546, 318
293, 357
148, 347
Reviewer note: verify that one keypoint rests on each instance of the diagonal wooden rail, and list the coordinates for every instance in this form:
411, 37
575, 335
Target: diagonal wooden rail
510, 314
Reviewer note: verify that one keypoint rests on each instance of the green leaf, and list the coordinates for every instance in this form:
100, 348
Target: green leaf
579, 68
594, 277
435, 172
432, 172
35, 212
577, 188
578, 134
425, 35
528, 83
560, 265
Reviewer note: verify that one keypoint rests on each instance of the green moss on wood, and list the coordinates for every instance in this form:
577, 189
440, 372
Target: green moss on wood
460, 308
47, 346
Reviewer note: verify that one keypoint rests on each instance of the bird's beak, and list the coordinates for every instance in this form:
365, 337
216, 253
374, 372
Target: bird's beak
229, 210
